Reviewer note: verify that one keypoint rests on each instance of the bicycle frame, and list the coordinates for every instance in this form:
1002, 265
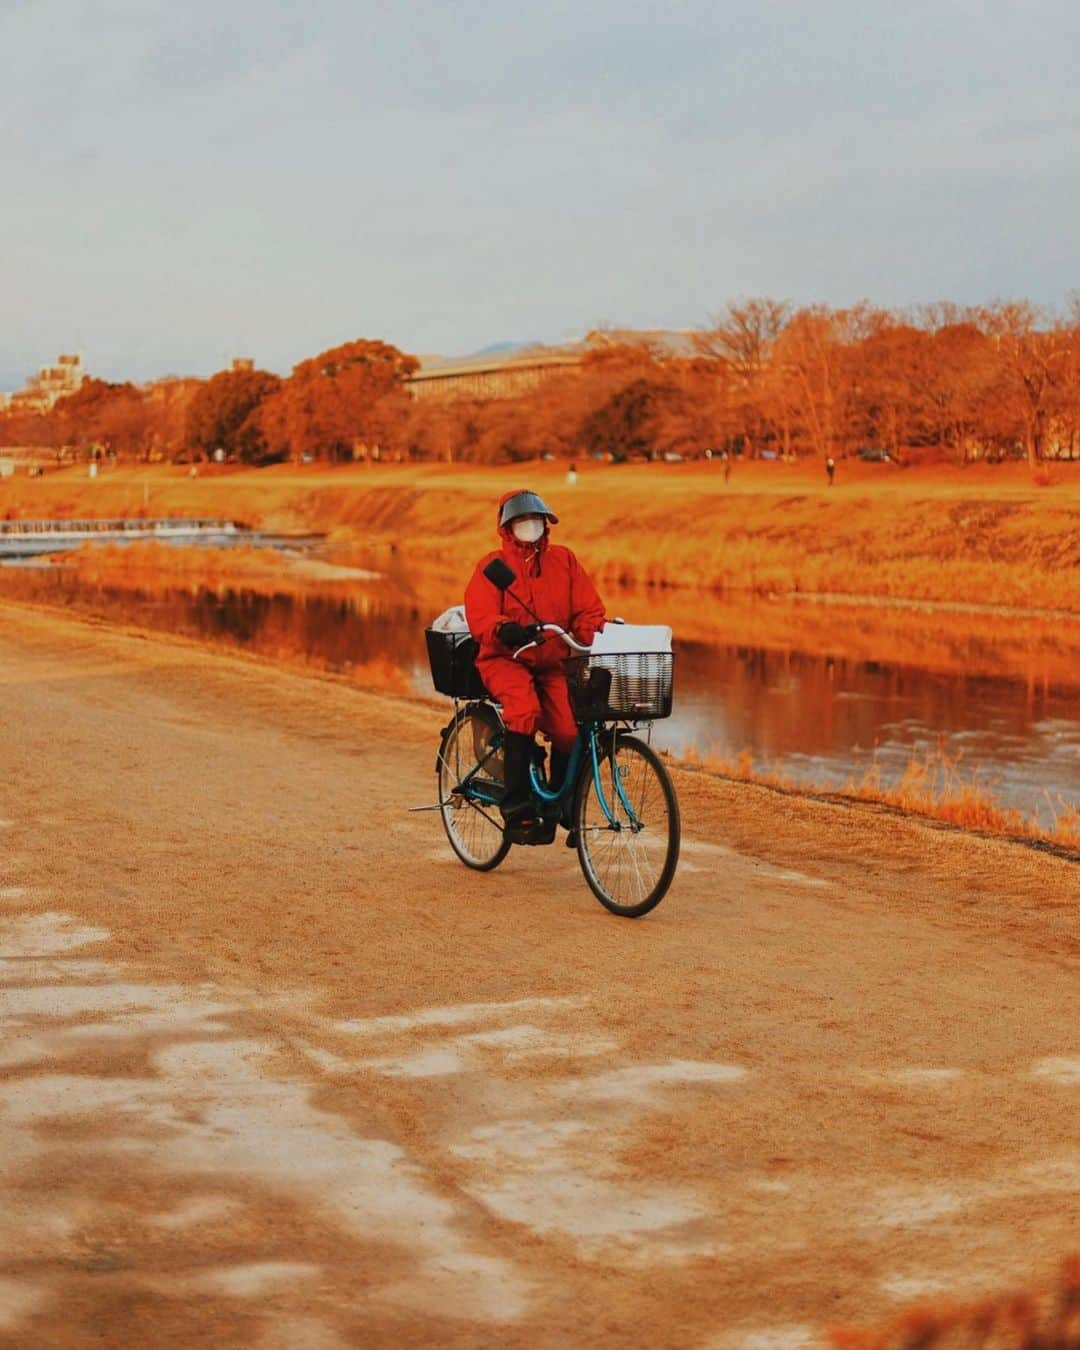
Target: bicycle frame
588, 736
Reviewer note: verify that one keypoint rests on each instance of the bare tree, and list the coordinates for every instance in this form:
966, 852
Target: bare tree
1034, 364
742, 339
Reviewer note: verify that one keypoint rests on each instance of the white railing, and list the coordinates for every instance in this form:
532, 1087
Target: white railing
35, 529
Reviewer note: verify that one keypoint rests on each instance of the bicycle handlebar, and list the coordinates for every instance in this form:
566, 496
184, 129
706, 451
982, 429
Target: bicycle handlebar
568, 638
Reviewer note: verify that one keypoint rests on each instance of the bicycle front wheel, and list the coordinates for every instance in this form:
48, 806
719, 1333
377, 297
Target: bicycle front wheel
628, 851
473, 827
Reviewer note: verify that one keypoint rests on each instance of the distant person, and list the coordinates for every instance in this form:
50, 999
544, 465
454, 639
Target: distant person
571, 475
533, 689
727, 466
830, 469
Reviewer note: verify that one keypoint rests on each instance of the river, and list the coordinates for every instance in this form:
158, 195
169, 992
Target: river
822, 706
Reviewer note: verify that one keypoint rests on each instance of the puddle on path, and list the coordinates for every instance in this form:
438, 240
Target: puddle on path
638, 1084
48, 934
513, 1045
1059, 1070
451, 1016
793, 1336
898, 1207
259, 1279
916, 1077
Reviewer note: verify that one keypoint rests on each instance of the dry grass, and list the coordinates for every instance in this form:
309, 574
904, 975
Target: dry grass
163, 562
936, 785
1043, 1320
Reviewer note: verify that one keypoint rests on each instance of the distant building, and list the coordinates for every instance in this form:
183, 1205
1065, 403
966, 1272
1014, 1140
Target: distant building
243, 363
51, 383
27, 458
491, 376
519, 370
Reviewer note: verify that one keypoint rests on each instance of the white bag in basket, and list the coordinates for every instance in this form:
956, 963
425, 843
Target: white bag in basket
631, 637
451, 620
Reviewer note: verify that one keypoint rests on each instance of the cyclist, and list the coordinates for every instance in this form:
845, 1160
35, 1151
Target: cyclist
551, 586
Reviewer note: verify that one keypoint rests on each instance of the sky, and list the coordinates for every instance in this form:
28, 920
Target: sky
182, 183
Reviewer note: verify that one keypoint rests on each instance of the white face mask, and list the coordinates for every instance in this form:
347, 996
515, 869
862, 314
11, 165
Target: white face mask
528, 531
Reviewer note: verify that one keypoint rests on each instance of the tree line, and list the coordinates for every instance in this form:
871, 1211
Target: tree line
763, 377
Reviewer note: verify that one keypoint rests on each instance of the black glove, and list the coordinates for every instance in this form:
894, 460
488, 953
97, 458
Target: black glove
515, 635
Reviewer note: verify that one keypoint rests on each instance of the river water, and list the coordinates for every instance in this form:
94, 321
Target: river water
820, 712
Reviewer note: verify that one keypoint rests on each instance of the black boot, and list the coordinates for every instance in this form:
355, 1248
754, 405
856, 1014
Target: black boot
517, 805
560, 762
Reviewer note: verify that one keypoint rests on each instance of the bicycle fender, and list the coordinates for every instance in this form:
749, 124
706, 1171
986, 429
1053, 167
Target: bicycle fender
442, 742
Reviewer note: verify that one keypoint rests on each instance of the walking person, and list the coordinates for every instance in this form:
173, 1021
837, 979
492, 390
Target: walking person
830, 469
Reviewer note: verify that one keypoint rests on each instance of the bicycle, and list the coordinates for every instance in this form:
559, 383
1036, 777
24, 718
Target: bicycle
616, 795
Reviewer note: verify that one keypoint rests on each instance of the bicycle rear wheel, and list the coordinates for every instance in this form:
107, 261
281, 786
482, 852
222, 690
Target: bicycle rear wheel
474, 828
629, 859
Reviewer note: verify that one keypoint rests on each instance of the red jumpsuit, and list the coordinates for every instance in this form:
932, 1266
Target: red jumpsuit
551, 581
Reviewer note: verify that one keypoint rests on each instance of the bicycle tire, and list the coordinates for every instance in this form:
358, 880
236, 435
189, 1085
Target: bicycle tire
475, 832
628, 870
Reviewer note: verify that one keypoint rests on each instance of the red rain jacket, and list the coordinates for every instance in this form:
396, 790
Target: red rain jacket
552, 583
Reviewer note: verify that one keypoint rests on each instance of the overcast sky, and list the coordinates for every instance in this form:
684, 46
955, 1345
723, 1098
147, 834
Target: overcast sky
184, 182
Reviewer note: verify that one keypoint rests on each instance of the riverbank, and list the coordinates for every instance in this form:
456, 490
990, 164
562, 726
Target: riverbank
991, 534
269, 608
279, 1071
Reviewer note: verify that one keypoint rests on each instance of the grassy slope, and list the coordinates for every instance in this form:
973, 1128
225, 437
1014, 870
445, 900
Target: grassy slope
985, 535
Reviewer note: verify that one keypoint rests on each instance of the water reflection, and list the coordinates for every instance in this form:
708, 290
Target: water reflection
828, 719
824, 715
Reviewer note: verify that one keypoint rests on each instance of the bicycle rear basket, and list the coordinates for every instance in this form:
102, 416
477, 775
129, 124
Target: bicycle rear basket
453, 669
624, 686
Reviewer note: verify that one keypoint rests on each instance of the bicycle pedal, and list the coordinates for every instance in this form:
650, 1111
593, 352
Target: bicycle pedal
539, 832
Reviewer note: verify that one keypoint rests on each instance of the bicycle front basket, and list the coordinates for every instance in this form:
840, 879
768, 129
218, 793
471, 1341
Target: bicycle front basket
623, 686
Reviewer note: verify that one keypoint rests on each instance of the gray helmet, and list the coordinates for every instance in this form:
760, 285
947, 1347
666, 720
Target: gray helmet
525, 504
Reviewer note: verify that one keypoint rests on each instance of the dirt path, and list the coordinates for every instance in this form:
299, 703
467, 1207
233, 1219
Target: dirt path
276, 1071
